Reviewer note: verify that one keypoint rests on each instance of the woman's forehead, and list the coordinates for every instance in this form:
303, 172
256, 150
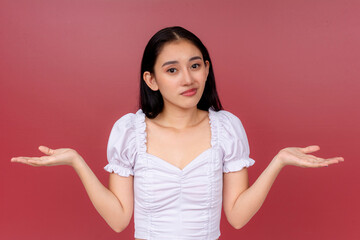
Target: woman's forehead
178, 50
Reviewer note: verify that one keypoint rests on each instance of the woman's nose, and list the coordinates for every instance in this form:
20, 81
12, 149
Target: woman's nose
187, 78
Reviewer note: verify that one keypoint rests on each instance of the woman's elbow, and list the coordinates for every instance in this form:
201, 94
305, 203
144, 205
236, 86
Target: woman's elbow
238, 224
237, 227
118, 228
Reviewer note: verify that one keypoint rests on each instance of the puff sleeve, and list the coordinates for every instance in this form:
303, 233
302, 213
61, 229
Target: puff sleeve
121, 149
234, 144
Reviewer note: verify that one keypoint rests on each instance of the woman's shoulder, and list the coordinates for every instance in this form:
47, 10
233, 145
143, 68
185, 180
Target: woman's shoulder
129, 129
230, 125
130, 119
225, 116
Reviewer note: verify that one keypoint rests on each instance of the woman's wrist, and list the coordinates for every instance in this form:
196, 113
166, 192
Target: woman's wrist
278, 162
78, 162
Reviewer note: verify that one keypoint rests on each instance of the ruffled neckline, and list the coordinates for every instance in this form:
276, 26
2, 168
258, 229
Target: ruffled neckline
141, 135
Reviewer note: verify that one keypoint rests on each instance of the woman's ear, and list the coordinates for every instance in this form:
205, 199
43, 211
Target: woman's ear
150, 80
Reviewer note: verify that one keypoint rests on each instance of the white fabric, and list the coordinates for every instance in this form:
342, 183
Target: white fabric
170, 203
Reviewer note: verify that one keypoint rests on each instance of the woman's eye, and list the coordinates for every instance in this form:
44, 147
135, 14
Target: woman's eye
171, 70
196, 65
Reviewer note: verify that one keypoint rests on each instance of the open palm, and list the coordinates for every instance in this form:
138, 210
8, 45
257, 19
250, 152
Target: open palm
301, 157
61, 156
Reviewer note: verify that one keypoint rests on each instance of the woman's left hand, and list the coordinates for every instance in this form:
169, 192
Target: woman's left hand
301, 157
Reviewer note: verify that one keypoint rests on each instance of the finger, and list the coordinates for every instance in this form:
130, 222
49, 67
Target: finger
36, 162
24, 160
42, 161
323, 162
19, 159
31, 164
315, 164
328, 160
310, 149
334, 160
46, 150
341, 159
313, 158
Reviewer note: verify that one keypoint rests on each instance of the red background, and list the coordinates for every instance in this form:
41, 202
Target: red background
288, 69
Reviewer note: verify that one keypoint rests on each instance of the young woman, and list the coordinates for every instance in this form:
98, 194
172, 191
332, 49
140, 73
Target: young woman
180, 156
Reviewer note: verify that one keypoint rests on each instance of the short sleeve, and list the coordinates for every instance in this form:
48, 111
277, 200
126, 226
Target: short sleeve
234, 144
121, 149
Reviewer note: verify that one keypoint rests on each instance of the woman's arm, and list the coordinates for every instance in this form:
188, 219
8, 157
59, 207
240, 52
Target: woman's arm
242, 202
115, 204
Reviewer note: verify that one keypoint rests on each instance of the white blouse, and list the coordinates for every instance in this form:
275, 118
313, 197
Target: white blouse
170, 203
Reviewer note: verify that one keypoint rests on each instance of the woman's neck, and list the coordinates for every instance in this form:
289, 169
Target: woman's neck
179, 118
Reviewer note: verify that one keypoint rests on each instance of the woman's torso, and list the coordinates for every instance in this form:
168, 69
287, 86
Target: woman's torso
178, 197
178, 182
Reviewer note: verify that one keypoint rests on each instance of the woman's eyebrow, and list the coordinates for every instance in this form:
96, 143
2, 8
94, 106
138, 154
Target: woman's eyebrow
174, 62
194, 58
169, 63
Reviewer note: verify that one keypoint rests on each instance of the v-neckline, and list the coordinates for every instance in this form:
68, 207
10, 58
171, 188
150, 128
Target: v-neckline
175, 167
193, 160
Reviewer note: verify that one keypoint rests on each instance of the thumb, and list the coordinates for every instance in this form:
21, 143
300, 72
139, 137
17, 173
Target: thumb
46, 150
310, 149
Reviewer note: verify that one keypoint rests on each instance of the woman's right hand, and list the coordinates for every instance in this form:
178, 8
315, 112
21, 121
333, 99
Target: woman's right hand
61, 156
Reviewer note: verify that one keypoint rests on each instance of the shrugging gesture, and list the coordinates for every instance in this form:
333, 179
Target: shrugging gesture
294, 156
177, 75
238, 210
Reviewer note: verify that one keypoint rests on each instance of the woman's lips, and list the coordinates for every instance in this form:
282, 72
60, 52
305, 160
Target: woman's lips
189, 92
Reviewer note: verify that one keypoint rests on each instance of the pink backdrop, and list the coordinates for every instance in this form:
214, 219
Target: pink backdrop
288, 69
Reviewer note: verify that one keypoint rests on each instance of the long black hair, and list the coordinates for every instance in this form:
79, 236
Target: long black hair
151, 102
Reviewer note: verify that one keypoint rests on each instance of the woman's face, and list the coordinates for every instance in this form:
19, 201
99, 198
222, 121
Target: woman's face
180, 74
